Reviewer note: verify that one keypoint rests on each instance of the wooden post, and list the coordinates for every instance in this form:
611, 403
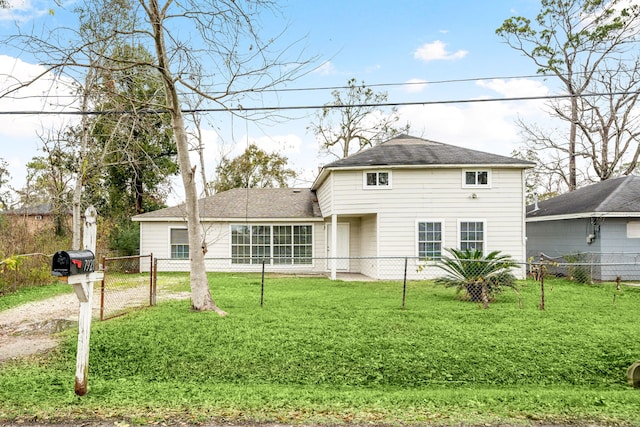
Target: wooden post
84, 290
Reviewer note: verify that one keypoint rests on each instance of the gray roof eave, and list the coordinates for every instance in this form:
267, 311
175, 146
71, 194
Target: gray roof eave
581, 215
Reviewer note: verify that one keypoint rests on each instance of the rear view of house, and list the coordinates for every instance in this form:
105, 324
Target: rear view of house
405, 198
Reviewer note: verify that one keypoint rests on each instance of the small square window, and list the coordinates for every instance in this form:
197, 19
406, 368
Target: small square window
377, 180
476, 178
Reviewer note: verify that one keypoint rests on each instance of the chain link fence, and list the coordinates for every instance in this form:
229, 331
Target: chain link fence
589, 267
580, 267
477, 280
128, 284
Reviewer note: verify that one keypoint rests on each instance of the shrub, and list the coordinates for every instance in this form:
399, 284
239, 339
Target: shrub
479, 277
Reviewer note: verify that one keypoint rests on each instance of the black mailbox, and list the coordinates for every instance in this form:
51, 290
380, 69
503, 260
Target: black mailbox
69, 263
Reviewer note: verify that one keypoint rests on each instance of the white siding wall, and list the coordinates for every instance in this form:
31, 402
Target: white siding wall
369, 245
324, 194
436, 194
155, 238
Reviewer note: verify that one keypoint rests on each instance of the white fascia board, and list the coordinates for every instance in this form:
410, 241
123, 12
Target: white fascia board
238, 219
585, 215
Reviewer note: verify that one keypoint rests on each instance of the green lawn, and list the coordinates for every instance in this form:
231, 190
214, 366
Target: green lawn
336, 352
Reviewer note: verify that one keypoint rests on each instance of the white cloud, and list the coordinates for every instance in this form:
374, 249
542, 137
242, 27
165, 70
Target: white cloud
24, 10
484, 126
19, 132
325, 69
513, 88
47, 94
415, 85
437, 51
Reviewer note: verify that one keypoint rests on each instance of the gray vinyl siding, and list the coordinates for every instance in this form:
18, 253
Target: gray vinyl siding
559, 238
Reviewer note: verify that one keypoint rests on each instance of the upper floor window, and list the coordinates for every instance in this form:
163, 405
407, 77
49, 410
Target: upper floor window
377, 179
179, 241
476, 178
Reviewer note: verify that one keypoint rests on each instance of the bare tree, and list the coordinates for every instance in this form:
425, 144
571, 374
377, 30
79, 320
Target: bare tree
609, 123
226, 36
353, 121
578, 42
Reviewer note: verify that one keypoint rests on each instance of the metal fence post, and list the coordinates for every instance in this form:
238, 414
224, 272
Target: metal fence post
404, 286
102, 289
152, 290
262, 286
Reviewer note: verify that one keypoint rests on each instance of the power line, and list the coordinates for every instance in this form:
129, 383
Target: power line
325, 88
240, 108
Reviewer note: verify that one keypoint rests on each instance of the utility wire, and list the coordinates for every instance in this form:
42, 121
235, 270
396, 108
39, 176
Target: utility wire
240, 108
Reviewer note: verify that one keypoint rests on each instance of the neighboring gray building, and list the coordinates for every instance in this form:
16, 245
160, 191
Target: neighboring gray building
599, 222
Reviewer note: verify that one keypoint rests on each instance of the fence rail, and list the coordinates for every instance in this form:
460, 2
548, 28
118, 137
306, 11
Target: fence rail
586, 268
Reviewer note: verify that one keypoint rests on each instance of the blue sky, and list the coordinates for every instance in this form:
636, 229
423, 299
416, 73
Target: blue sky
375, 41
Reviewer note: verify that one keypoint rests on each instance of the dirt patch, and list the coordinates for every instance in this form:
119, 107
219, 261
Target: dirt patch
31, 328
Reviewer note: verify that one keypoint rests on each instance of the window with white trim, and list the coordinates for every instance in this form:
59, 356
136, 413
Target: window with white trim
472, 235
430, 240
377, 179
277, 244
633, 229
476, 178
179, 242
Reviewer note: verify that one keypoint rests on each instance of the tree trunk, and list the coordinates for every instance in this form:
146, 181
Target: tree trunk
572, 143
200, 294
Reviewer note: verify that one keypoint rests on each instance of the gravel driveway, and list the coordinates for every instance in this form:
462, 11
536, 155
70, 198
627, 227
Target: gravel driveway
30, 328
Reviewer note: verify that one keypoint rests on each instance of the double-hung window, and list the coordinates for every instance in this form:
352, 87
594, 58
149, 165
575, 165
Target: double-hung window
472, 235
277, 244
179, 242
430, 240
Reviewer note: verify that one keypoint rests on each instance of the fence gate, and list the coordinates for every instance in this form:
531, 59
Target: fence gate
127, 285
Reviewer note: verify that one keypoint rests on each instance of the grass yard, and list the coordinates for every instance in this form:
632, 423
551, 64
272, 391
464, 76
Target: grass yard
345, 352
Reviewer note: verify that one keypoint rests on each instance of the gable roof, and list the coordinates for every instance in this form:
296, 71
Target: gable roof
410, 151
247, 204
613, 197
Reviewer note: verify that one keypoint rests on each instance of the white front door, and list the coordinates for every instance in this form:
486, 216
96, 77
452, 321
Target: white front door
342, 252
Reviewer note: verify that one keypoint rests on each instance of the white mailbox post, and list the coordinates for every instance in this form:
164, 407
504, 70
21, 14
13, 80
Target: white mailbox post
77, 269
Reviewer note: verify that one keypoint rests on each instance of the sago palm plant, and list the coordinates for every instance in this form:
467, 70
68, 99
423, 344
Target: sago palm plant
479, 276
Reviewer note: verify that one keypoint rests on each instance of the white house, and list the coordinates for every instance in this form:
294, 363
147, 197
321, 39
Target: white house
405, 198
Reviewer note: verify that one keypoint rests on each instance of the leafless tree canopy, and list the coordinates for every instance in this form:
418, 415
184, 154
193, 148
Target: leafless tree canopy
590, 46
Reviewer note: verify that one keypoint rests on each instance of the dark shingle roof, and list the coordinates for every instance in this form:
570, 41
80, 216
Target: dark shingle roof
412, 151
616, 195
41, 209
241, 203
